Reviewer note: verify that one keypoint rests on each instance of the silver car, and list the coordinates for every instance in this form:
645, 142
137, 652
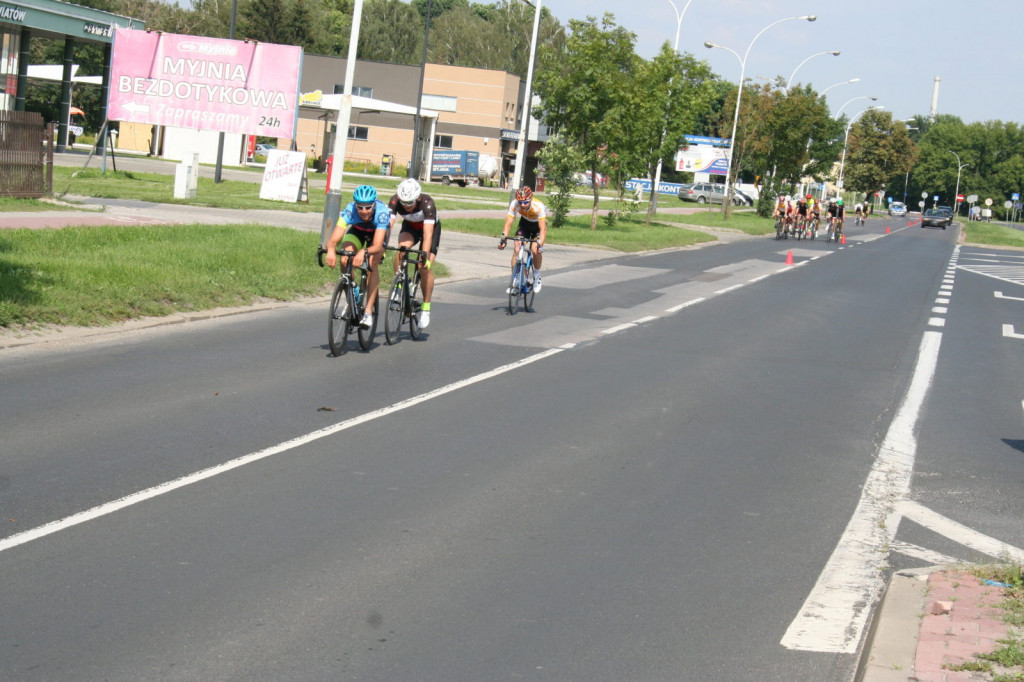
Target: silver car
706, 192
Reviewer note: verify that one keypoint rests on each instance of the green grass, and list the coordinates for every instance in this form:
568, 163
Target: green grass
992, 234
746, 221
629, 234
94, 276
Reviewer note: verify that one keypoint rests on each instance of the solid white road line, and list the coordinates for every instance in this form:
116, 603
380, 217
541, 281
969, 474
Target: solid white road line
968, 537
835, 613
1010, 333
999, 294
163, 488
915, 552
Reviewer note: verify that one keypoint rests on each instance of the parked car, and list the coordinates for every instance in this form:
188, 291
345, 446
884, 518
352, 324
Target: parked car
707, 192
586, 179
935, 217
897, 208
948, 212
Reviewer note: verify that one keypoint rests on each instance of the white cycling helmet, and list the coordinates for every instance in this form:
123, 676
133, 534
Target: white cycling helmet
408, 191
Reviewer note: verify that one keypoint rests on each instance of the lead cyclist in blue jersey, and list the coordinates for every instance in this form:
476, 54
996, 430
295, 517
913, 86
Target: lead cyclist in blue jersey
364, 226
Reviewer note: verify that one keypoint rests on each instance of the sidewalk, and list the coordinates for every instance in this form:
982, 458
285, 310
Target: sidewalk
930, 618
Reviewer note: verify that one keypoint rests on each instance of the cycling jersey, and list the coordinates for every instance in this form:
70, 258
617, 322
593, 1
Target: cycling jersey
380, 220
801, 207
532, 213
425, 210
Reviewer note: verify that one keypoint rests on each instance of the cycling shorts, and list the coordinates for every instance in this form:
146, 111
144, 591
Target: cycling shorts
414, 235
528, 229
361, 239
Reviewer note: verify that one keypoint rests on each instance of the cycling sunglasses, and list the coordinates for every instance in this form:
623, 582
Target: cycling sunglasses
364, 207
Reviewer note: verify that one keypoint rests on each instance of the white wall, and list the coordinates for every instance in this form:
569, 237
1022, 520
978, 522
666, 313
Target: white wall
182, 142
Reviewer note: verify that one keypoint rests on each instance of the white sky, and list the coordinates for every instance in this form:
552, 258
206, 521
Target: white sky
895, 47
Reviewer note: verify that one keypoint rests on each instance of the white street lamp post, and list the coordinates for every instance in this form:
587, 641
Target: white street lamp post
834, 53
873, 99
524, 134
675, 47
956, 194
836, 85
846, 140
739, 94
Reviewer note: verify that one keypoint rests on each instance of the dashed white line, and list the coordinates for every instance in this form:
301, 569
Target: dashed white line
732, 288
677, 308
937, 322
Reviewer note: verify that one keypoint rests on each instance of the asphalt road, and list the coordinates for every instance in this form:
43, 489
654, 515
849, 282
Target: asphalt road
647, 478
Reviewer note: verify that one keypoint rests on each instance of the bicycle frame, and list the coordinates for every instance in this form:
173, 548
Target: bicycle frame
520, 286
403, 302
348, 306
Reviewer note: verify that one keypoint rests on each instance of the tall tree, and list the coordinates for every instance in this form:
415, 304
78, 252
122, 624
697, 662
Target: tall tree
878, 148
379, 40
262, 20
581, 83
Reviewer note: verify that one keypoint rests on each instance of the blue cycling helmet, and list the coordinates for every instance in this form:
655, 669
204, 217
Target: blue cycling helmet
364, 194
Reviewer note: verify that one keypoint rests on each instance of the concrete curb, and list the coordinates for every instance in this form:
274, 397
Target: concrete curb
891, 645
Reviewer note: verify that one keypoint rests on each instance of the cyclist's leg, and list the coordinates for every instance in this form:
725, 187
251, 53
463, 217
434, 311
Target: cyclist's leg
427, 274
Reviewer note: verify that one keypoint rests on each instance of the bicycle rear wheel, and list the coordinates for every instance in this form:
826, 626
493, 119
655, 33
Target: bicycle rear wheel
338, 319
415, 304
394, 311
513, 289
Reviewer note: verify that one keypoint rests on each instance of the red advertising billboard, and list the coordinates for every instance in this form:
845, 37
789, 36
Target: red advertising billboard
181, 81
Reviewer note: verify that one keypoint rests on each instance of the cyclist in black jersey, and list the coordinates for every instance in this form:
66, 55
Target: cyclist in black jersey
420, 225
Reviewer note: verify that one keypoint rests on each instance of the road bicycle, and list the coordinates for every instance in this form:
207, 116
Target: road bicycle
780, 228
859, 219
812, 227
835, 229
798, 226
520, 286
406, 297
348, 305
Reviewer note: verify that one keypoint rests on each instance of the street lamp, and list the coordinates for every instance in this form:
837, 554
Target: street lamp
834, 53
524, 134
846, 140
873, 99
739, 94
675, 47
956, 194
836, 85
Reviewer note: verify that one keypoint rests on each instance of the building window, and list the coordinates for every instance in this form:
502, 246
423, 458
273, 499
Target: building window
439, 102
357, 90
358, 133
443, 141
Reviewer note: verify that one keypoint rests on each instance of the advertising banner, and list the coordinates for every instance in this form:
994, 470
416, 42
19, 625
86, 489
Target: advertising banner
284, 178
228, 86
702, 158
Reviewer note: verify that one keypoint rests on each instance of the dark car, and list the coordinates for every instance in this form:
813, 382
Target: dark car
935, 217
948, 212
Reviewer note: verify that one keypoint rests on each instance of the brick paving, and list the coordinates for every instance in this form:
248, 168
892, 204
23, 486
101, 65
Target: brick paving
960, 620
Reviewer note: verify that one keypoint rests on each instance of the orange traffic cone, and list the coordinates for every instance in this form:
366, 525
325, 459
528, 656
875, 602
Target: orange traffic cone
887, 229
842, 239
789, 258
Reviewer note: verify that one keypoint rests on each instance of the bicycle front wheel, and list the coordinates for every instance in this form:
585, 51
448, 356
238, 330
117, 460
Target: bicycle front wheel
366, 334
415, 304
528, 291
338, 319
513, 289
393, 312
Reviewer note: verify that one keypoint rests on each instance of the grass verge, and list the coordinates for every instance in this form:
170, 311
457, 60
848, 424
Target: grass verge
992, 234
95, 276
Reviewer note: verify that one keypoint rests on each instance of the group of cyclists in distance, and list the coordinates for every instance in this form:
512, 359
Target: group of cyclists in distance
800, 217
366, 223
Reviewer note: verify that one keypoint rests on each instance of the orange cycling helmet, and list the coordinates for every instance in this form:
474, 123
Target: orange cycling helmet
524, 193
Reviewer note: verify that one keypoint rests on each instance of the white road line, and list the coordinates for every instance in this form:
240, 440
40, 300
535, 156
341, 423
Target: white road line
618, 328
940, 310
932, 557
677, 308
645, 320
835, 613
732, 288
758, 279
936, 322
1009, 333
968, 537
148, 494
999, 294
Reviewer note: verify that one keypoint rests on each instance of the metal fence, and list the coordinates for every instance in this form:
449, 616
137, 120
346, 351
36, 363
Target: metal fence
26, 155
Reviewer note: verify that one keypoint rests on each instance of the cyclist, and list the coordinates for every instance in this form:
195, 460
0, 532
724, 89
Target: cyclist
814, 212
364, 225
420, 226
801, 214
533, 222
836, 213
858, 212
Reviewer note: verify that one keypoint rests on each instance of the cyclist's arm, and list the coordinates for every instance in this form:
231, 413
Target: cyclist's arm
504, 230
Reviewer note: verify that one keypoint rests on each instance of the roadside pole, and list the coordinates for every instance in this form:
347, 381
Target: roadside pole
332, 206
